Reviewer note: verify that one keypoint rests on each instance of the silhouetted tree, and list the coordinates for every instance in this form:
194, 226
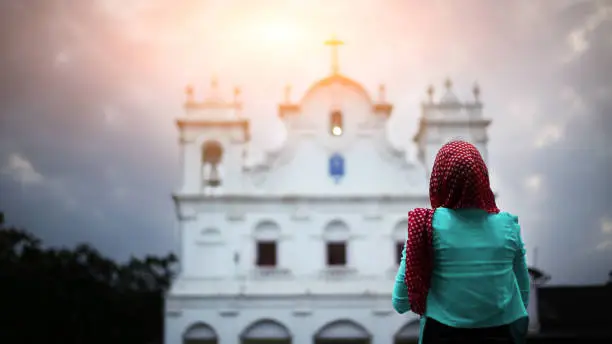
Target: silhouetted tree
78, 296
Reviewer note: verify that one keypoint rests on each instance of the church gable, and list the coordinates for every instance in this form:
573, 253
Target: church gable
337, 143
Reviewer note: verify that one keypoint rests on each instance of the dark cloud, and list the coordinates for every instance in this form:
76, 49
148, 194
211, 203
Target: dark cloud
577, 170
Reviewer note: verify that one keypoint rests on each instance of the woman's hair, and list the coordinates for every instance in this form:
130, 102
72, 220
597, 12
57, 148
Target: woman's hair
460, 179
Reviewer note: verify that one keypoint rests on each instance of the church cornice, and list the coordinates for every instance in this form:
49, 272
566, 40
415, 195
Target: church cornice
189, 122
211, 104
290, 297
456, 121
228, 198
452, 106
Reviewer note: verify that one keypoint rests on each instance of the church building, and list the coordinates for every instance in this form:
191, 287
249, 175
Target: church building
302, 244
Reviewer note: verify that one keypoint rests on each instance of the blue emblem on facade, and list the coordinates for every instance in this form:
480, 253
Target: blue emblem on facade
336, 167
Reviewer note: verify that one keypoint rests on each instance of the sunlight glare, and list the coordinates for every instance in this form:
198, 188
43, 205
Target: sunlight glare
277, 32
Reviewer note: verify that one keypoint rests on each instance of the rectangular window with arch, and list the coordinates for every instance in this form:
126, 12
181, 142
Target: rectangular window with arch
266, 254
336, 253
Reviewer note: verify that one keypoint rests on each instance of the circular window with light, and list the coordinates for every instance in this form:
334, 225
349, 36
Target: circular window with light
335, 123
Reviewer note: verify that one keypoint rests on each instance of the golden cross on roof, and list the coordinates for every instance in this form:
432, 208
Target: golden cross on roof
334, 43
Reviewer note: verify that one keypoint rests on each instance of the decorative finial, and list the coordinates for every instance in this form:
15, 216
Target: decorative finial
476, 91
288, 94
334, 43
189, 93
448, 84
430, 93
237, 92
381, 93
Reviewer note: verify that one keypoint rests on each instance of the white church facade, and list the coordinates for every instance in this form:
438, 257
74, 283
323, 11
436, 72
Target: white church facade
302, 245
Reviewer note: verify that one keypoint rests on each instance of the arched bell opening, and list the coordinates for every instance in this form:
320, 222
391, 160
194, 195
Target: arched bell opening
212, 156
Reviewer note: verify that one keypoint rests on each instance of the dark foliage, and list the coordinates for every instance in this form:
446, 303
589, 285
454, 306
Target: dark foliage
77, 295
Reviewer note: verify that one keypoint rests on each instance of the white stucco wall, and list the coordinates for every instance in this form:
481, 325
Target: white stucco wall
219, 228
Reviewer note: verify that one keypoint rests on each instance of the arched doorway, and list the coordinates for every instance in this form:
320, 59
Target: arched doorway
264, 332
408, 334
342, 332
200, 333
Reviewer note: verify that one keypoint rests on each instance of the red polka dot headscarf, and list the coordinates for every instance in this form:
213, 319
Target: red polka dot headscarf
459, 179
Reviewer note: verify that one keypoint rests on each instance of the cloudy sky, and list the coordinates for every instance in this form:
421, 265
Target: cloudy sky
89, 90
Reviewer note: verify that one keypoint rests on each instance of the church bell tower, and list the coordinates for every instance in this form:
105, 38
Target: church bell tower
213, 136
450, 119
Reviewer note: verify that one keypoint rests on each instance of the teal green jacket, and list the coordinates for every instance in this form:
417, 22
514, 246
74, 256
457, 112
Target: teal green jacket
480, 276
